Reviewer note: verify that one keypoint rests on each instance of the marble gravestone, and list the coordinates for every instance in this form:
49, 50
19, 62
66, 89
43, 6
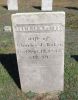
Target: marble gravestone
47, 5
12, 4
7, 28
39, 41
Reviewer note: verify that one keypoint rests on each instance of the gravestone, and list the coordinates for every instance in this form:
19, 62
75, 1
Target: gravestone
7, 28
39, 41
47, 5
12, 4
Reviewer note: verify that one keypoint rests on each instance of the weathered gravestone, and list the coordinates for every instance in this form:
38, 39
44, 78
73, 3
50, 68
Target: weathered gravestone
47, 5
39, 41
12, 4
7, 28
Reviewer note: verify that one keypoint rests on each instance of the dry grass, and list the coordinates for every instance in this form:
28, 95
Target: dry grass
3, 2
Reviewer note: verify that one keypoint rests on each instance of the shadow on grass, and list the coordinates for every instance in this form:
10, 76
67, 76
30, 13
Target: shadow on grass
5, 7
75, 57
10, 64
37, 7
73, 8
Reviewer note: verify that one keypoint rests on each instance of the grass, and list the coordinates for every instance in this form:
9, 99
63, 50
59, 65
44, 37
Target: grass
9, 89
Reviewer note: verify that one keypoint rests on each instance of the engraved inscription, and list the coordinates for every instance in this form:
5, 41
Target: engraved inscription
39, 47
39, 27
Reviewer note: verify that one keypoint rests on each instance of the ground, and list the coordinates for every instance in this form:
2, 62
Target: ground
9, 79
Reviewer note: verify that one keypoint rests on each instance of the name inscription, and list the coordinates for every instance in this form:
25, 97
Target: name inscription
39, 27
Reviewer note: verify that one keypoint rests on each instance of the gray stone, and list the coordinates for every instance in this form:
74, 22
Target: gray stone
39, 41
7, 28
12, 4
47, 5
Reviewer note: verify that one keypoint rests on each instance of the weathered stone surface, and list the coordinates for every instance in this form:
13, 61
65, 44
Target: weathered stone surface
7, 28
39, 40
47, 5
12, 4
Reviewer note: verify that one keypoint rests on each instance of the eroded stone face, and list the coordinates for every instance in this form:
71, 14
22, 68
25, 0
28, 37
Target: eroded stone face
47, 5
39, 40
12, 4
